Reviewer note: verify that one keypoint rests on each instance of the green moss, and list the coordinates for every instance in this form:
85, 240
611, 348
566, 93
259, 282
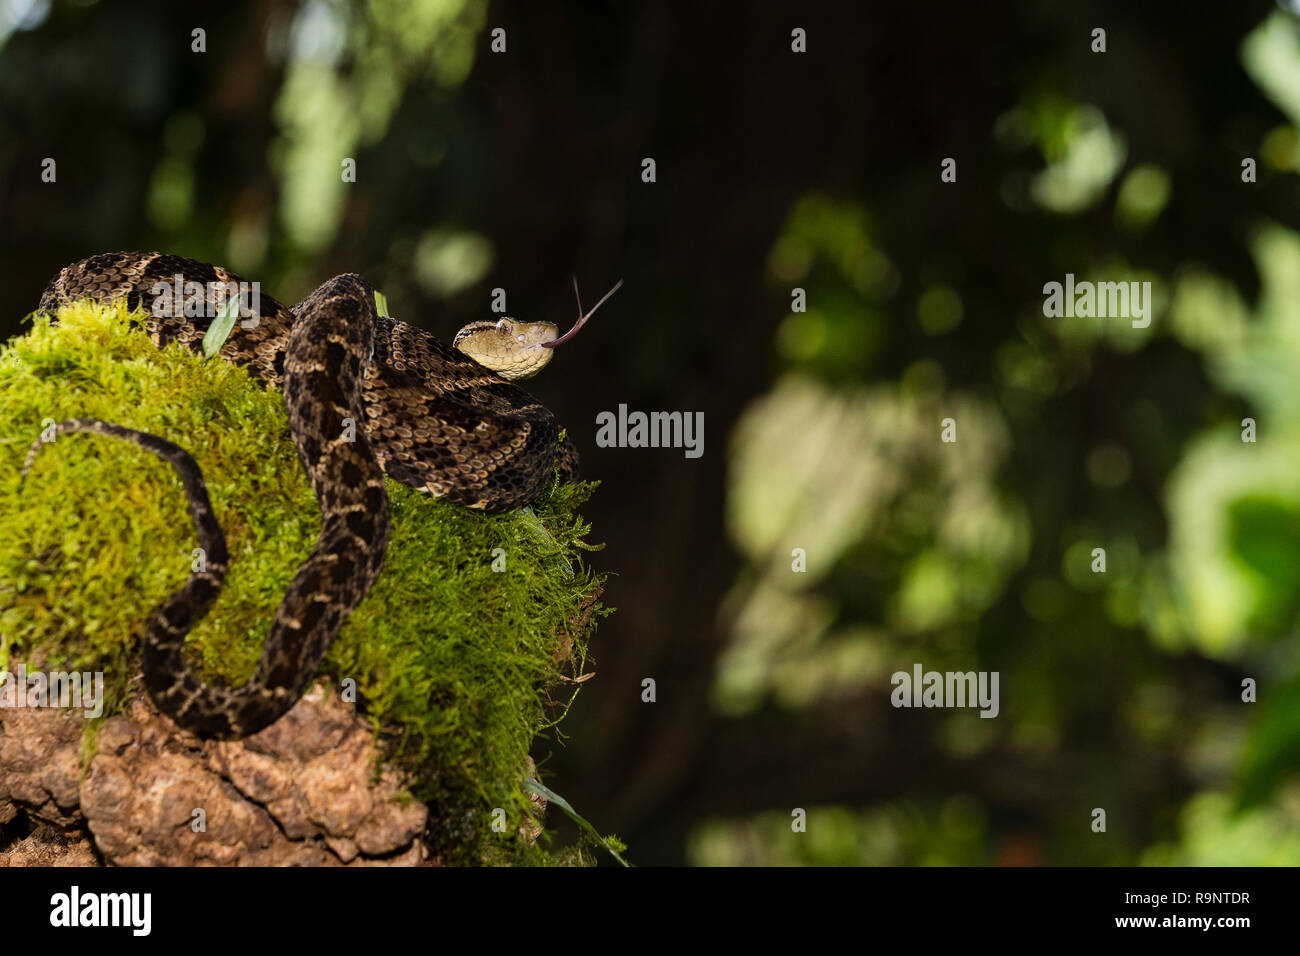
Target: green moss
459, 666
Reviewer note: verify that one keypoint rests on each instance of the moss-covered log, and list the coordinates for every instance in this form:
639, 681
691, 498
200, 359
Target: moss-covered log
467, 647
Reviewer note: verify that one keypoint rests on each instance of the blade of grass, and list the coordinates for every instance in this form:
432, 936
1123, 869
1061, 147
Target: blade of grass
552, 797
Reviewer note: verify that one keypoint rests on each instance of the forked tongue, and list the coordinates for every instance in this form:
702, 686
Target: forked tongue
582, 319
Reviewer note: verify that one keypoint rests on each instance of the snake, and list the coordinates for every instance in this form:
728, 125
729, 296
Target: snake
366, 396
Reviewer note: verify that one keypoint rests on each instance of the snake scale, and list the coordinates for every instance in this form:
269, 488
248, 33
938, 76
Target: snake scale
443, 419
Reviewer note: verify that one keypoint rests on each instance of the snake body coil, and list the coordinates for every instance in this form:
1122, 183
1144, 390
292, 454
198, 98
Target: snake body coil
365, 396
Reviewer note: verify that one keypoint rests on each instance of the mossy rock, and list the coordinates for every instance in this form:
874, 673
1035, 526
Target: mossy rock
458, 666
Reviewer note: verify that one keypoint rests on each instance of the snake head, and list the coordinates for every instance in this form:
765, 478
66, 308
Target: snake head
515, 349
511, 348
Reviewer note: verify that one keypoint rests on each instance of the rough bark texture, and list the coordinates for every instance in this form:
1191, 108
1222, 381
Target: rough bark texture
303, 791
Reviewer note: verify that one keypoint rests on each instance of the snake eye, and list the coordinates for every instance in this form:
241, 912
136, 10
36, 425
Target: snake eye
505, 325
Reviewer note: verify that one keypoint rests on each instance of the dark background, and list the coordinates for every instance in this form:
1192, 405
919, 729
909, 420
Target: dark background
537, 153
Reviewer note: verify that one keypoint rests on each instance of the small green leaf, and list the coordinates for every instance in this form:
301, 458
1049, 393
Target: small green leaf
550, 795
220, 328
381, 304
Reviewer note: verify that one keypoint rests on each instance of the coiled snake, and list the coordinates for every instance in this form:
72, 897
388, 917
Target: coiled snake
366, 395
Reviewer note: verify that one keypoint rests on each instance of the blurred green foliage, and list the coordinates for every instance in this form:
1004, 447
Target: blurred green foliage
910, 541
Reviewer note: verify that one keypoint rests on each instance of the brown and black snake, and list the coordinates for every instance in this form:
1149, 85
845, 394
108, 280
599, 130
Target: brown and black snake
366, 396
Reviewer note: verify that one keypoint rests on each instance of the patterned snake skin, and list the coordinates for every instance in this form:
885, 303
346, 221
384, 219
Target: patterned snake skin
422, 412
